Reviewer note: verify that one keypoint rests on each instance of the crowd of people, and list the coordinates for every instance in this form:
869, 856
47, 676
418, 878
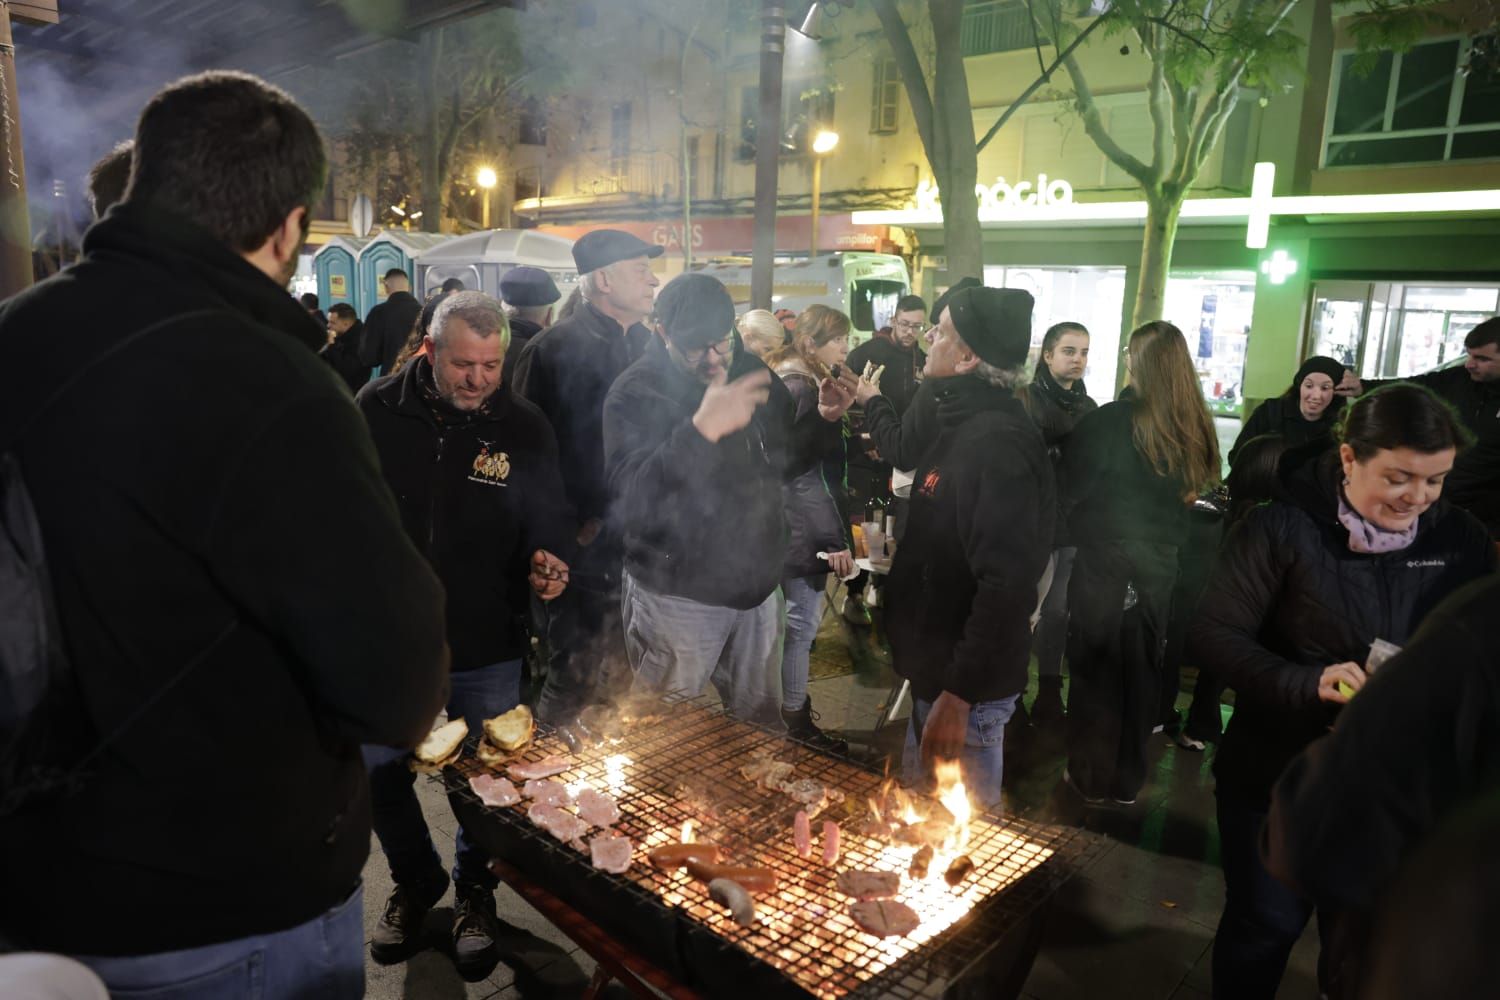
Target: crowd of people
259, 594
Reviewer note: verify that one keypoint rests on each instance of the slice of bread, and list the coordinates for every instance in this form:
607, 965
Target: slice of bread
512, 730
443, 743
490, 757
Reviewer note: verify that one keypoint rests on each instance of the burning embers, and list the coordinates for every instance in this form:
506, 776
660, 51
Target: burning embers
803, 861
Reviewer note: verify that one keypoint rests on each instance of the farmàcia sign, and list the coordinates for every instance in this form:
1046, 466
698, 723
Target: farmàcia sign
1002, 196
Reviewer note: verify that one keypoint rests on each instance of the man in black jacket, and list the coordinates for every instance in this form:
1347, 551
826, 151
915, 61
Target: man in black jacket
529, 294
345, 336
240, 606
566, 371
964, 581
1474, 390
389, 324
474, 470
697, 443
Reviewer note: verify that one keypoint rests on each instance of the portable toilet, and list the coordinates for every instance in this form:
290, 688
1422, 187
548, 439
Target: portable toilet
392, 248
335, 266
479, 260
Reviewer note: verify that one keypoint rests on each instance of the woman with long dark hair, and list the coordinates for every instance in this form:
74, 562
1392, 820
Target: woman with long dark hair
1308, 411
1129, 471
813, 514
1358, 546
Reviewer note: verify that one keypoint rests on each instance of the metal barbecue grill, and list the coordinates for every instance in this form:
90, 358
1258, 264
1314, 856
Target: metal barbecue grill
682, 764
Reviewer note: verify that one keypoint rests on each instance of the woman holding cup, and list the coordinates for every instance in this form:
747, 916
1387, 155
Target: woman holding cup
1357, 548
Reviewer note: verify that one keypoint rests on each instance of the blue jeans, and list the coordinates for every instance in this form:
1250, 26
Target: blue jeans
399, 825
1262, 918
804, 610
677, 644
983, 759
324, 957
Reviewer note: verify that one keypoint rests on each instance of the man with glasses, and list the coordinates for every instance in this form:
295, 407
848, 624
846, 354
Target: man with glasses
697, 441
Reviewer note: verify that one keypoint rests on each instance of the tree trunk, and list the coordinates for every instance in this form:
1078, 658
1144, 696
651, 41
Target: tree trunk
1156, 257
956, 167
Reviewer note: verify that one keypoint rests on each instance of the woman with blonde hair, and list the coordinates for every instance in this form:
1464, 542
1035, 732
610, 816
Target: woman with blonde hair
1130, 469
812, 496
762, 332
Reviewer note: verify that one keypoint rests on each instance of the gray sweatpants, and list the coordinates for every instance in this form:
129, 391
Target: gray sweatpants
676, 644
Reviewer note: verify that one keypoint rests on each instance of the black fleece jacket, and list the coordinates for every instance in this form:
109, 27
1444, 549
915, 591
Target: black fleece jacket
963, 583
1289, 598
1417, 742
701, 520
1109, 490
1282, 416
478, 493
208, 488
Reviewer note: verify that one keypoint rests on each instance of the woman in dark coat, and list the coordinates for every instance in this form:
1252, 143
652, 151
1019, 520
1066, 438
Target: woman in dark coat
821, 341
1306, 412
1358, 546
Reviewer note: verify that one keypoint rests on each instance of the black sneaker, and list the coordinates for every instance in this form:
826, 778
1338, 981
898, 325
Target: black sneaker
1047, 709
474, 928
801, 725
399, 932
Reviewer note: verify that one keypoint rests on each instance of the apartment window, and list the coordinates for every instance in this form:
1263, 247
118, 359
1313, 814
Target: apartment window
532, 124
1412, 107
997, 26
885, 97
619, 137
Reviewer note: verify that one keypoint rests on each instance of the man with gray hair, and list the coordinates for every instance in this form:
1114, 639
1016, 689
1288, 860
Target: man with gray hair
566, 370
475, 473
964, 580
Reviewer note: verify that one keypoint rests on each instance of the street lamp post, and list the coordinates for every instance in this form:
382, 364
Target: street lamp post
823, 143
767, 142
486, 179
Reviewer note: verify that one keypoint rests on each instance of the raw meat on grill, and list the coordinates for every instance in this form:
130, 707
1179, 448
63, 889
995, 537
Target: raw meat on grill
610, 854
493, 791
869, 885
884, 917
547, 792
830, 842
802, 834
544, 768
562, 825
806, 791
597, 808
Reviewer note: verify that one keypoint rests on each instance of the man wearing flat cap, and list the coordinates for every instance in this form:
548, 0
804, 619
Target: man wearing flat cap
528, 294
698, 440
963, 583
565, 371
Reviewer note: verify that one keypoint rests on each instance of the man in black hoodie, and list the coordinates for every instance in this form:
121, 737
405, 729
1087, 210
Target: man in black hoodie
474, 470
963, 584
345, 335
697, 443
388, 324
241, 610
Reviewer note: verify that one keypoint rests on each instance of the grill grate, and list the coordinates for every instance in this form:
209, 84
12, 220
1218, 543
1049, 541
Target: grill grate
682, 763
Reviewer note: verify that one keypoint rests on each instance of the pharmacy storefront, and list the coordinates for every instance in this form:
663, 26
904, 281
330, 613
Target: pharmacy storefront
1389, 283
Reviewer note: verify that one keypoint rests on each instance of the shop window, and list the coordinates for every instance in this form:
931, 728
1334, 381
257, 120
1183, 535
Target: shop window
1392, 329
1412, 107
885, 102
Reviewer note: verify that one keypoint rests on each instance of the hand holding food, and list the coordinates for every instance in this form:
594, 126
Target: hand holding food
729, 406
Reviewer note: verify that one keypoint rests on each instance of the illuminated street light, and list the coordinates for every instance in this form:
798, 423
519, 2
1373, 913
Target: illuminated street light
812, 24
823, 142
486, 179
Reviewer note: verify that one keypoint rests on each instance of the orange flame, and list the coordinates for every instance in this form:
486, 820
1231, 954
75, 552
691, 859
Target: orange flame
955, 798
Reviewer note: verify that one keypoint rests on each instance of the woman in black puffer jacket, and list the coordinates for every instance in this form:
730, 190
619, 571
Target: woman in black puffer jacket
812, 499
1358, 546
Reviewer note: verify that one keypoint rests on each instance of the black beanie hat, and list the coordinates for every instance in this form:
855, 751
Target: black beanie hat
994, 322
942, 300
695, 310
1320, 364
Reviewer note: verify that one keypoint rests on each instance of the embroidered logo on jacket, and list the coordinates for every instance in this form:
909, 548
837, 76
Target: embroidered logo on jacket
491, 470
930, 483
1422, 563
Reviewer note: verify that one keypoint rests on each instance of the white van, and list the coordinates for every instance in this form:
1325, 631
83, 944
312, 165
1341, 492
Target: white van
866, 286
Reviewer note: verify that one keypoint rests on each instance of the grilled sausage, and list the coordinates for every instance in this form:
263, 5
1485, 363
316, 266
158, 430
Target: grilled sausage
677, 855
750, 879
730, 893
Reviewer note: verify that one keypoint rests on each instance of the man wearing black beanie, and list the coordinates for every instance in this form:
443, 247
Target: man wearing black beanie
964, 581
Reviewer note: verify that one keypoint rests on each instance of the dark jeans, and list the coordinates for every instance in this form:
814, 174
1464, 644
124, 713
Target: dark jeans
1115, 662
399, 825
1051, 635
1195, 564
1262, 918
586, 640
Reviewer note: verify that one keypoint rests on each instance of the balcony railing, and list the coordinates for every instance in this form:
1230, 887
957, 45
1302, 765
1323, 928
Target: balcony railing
653, 174
996, 26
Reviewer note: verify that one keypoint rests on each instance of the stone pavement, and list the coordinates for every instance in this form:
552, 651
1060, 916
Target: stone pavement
1136, 924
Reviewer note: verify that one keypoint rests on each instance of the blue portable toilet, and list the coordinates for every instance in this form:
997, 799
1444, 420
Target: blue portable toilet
335, 265
392, 248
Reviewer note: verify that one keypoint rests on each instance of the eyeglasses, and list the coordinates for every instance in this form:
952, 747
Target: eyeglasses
918, 327
723, 349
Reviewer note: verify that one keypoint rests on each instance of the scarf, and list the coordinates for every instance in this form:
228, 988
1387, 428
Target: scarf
1368, 538
1070, 401
444, 412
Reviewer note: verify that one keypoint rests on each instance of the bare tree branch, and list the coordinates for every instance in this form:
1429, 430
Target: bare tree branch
1093, 124
1040, 81
910, 67
1157, 100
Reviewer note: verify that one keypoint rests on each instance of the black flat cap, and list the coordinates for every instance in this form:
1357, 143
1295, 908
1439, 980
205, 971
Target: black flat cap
695, 310
603, 247
942, 300
994, 322
528, 286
